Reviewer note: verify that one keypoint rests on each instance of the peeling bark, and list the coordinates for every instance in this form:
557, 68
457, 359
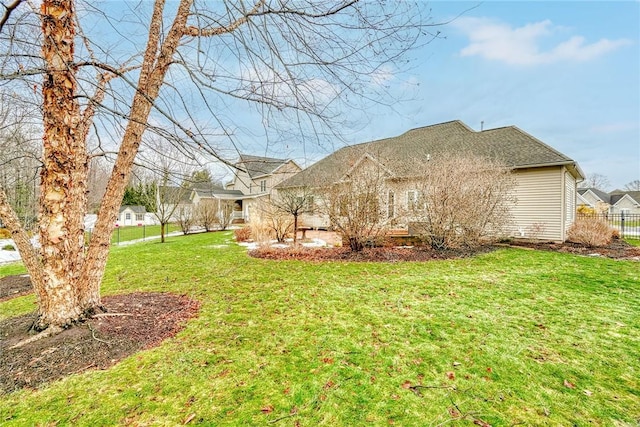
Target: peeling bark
158, 56
64, 172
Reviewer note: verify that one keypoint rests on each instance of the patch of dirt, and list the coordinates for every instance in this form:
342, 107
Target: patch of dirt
133, 322
385, 254
617, 249
14, 286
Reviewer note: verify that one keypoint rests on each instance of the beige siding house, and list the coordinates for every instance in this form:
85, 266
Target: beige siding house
545, 190
254, 179
627, 202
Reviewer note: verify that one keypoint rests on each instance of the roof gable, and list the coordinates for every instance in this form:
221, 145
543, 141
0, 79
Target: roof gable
259, 166
616, 197
595, 193
133, 208
508, 145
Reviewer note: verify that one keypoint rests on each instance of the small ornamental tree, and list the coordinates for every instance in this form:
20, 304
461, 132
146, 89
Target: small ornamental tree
294, 202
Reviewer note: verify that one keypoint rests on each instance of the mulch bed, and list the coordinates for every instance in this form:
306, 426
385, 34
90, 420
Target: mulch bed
384, 254
617, 249
133, 322
14, 286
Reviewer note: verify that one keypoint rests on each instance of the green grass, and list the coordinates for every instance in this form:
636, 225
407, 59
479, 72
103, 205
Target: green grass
634, 242
134, 232
337, 344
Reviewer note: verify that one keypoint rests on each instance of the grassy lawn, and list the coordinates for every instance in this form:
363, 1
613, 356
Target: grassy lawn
634, 242
134, 232
511, 337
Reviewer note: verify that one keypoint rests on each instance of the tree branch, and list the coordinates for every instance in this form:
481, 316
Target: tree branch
8, 9
201, 32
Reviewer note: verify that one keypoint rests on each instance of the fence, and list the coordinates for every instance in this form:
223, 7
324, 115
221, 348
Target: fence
137, 233
627, 224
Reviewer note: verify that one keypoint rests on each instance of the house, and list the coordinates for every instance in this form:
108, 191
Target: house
131, 215
594, 199
615, 202
545, 190
627, 202
234, 197
254, 179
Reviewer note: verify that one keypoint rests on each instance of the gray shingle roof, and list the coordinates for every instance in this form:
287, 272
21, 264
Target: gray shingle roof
509, 145
258, 166
134, 208
601, 194
617, 195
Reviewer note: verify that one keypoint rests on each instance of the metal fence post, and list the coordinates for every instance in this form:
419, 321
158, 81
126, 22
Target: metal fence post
622, 224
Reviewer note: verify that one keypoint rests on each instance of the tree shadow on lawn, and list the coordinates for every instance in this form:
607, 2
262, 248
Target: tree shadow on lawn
132, 323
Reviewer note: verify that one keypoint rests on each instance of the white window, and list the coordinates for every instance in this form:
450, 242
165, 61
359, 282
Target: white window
391, 204
263, 185
127, 216
139, 217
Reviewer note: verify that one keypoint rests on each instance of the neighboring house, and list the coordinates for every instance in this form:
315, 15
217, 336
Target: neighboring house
254, 179
235, 197
132, 215
545, 178
627, 202
595, 199
615, 202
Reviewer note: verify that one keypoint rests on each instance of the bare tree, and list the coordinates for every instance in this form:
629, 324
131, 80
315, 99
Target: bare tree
99, 171
460, 200
295, 202
354, 205
597, 181
19, 157
299, 59
633, 185
169, 172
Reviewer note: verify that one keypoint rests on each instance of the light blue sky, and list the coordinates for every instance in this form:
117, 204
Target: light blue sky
568, 73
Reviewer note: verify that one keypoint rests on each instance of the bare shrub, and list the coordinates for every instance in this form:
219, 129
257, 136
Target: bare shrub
591, 232
261, 231
536, 230
461, 201
185, 219
354, 205
242, 234
206, 214
272, 222
225, 214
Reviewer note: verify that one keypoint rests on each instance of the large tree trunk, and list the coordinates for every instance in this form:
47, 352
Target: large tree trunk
63, 176
157, 58
70, 287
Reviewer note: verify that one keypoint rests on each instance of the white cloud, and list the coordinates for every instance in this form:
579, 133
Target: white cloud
382, 76
522, 45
